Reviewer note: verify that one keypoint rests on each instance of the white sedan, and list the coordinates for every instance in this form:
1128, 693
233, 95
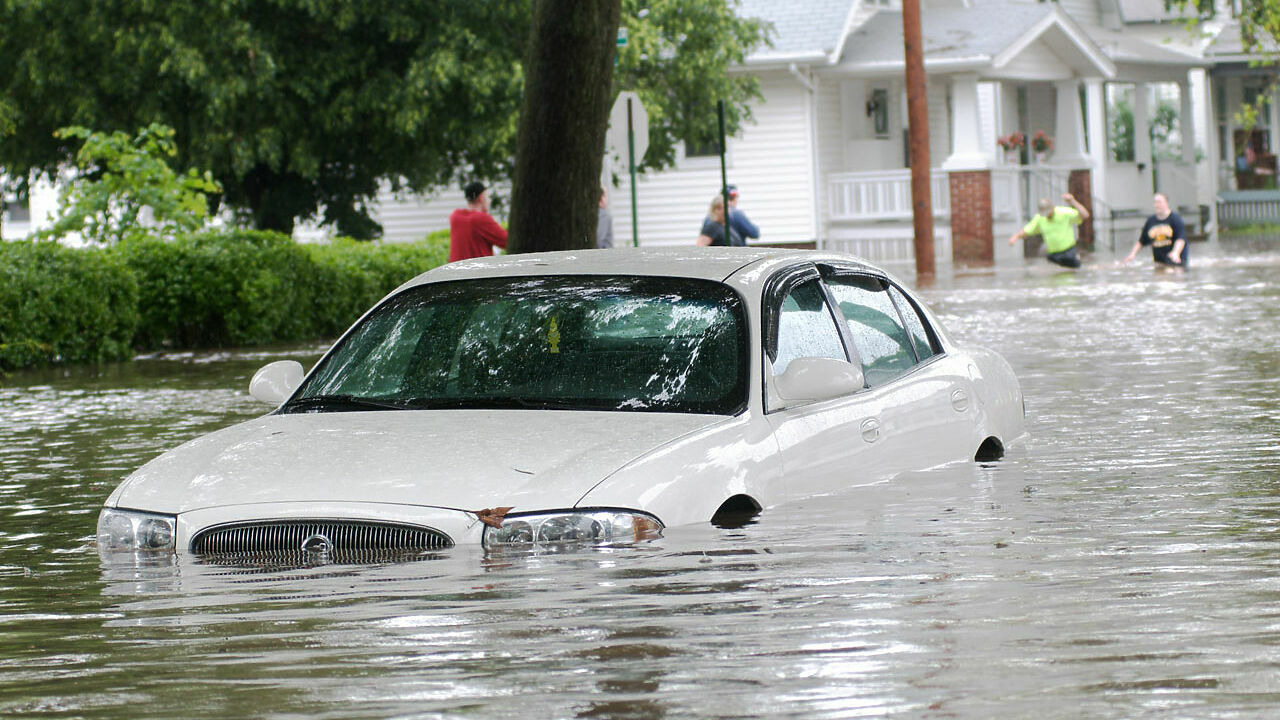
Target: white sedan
579, 397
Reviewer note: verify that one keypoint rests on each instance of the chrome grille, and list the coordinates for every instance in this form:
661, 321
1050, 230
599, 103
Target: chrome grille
315, 536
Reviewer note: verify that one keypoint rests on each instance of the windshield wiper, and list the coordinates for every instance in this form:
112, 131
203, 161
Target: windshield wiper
550, 403
338, 403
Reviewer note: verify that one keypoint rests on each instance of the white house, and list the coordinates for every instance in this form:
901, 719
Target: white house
826, 161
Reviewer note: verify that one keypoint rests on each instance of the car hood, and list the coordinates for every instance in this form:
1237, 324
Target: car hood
459, 459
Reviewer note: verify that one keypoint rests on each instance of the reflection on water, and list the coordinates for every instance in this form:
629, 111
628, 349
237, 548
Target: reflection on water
1123, 563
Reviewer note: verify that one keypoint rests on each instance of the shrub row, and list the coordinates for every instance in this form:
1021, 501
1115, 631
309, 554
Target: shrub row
64, 305
213, 289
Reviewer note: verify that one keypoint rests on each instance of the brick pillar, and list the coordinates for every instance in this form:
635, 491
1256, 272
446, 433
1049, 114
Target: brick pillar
1080, 184
971, 222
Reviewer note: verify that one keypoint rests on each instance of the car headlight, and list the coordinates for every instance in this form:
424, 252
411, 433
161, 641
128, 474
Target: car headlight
586, 527
132, 531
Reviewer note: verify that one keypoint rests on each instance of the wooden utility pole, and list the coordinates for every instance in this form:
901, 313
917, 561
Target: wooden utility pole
918, 139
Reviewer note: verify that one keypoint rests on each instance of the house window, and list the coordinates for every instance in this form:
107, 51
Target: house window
695, 148
15, 210
1257, 94
1120, 121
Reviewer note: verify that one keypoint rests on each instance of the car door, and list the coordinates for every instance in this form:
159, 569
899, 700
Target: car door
927, 413
825, 445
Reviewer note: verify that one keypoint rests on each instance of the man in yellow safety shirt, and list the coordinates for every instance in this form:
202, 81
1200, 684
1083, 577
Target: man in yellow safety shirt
1057, 226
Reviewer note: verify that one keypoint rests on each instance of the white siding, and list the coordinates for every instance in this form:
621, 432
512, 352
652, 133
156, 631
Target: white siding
1038, 62
771, 162
832, 138
411, 218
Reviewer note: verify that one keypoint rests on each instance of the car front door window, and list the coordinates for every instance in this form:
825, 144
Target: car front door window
806, 327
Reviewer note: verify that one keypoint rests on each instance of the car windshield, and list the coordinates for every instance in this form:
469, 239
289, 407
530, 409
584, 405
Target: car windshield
577, 342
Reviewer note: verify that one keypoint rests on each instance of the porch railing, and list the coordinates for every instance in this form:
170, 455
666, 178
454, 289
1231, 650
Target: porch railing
1240, 208
882, 195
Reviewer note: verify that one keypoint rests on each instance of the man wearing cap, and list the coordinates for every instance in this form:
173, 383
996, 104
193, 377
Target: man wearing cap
737, 219
472, 230
1055, 225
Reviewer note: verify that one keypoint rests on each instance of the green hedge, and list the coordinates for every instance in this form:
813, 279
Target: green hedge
213, 289
60, 304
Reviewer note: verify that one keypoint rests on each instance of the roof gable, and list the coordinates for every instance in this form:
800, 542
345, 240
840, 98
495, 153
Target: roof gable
984, 36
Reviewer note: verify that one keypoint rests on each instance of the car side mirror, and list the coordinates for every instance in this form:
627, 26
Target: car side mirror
275, 382
811, 379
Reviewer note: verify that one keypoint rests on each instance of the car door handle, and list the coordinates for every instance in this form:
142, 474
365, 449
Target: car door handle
960, 400
871, 430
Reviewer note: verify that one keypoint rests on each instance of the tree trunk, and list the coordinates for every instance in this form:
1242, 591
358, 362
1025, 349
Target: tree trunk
560, 145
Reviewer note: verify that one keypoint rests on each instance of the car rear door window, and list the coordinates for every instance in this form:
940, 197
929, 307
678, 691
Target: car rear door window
925, 347
882, 342
806, 327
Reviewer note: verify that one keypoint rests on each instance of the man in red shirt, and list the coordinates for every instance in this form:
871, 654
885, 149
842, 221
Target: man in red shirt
472, 230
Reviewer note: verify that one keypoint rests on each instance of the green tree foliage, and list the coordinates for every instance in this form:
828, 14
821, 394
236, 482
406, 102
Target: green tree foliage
119, 177
676, 58
300, 108
1259, 27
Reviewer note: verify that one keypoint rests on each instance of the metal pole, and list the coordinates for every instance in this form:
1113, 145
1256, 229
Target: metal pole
918, 139
724, 173
631, 163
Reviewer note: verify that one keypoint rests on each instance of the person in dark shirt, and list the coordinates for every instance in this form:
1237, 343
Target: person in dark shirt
472, 230
713, 227
1165, 233
738, 219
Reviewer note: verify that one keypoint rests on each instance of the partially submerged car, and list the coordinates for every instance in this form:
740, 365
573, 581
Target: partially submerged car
594, 396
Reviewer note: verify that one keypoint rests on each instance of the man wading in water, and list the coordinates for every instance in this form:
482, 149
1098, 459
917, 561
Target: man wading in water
1056, 226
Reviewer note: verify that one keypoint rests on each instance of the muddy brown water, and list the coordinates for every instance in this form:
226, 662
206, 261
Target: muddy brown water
1123, 563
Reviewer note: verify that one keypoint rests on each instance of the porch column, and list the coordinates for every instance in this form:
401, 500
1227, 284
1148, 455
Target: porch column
1207, 178
1099, 143
1186, 123
1142, 134
967, 152
1069, 145
969, 178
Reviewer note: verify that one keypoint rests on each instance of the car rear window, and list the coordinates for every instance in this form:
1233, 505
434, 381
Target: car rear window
577, 342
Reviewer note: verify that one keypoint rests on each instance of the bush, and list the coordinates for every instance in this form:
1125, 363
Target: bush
352, 276
60, 304
251, 287
216, 289
212, 289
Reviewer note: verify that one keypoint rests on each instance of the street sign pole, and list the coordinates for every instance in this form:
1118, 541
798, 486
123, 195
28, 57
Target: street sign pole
628, 140
724, 173
631, 164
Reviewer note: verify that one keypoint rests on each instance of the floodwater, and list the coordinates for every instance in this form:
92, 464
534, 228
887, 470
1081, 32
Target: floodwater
1123, 563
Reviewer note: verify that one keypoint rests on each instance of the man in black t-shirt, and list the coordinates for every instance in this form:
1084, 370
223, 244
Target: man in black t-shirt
1165, 233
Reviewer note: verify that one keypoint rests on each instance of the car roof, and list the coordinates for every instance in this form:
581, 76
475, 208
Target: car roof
690, 262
